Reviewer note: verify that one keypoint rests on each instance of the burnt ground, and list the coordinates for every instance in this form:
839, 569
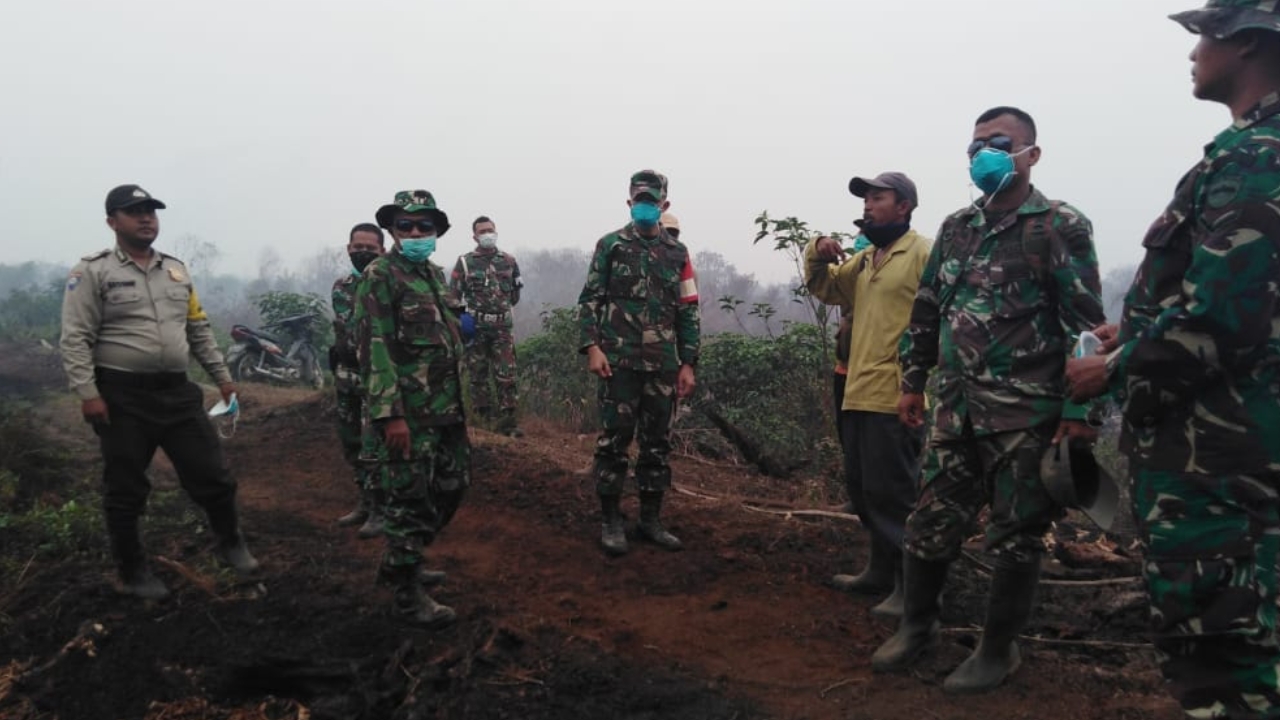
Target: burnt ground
740, 625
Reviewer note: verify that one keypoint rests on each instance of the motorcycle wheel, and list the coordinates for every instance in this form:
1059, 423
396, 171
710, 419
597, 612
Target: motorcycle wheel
244, 369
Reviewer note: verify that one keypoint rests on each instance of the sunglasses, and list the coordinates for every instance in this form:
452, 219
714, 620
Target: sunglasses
1003, 143
405, 225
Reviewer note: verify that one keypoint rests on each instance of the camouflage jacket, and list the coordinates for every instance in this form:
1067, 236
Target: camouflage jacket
343, 299
997, 312
640, 302
410, 341
489, 282
1198, 370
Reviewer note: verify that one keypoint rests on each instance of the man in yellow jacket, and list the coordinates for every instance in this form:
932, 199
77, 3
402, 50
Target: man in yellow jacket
881, 455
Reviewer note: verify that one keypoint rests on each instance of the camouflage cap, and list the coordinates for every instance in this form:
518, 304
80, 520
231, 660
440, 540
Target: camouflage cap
413, 201
1224, 18
651, 183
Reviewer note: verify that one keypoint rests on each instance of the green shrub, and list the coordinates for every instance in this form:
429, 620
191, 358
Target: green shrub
552, 374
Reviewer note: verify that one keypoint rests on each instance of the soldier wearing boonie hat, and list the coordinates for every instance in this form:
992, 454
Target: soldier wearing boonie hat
410, 329
1193, 364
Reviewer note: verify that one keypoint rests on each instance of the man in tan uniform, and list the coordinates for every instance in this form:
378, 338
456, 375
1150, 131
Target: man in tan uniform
130, 319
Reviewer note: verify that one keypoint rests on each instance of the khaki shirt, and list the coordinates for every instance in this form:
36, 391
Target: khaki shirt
880, 298
119, 315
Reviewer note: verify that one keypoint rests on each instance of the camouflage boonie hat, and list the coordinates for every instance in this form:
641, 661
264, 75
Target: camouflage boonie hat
651, 183
1223, 18
413, 201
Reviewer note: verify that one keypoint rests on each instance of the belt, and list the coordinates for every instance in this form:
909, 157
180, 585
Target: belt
491, 317
142, 381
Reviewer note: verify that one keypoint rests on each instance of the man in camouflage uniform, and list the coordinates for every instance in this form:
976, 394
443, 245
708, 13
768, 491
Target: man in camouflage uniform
1195, 364
638, 314
488, 280
365, 243
410, 332
1009, 284
131, 321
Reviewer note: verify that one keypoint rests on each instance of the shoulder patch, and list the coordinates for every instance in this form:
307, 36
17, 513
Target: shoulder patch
73, 280
96, 256
1223, 188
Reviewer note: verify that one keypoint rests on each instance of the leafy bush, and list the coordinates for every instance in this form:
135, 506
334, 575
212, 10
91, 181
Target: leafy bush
773, 394
552, 375
276, 305
32, 313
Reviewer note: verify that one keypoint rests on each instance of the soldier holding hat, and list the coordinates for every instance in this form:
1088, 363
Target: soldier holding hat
131, 320
638, 314
881, 455
410, 329
1195, 364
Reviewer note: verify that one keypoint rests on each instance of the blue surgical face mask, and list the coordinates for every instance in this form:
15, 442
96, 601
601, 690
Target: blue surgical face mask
418, 249
991, 170
645, 214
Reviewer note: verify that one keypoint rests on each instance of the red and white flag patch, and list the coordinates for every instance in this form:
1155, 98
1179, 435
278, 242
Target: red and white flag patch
688, 283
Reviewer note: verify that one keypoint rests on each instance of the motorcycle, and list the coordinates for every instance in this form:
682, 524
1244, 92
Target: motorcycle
257, 356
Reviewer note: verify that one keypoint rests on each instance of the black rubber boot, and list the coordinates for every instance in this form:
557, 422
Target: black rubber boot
650, 527
922, 584
878, 575
414, 605
131, 560
140, 583
613, 536
376, 521
1013, 589
361, 512
507, 424
891, 607
231, 548
431, 578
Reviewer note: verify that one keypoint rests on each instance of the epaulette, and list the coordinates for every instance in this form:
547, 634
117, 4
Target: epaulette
97, 256
166, 256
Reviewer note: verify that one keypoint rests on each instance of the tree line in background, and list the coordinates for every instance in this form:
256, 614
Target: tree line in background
763, 381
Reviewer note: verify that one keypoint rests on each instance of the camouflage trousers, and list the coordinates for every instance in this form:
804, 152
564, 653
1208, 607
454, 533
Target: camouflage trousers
961, 475
350, 411
492, 357
635, 404
420, 494
1211, 544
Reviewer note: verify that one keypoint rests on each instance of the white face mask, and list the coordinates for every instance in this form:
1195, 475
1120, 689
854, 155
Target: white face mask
488, 241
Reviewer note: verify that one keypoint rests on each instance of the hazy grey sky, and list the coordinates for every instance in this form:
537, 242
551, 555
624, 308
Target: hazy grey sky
280, 123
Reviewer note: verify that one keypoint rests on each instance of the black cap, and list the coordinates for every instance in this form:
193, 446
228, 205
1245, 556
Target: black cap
129, 195
886, 181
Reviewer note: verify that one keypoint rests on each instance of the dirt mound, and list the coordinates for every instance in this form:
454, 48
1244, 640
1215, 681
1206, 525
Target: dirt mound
739, 625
